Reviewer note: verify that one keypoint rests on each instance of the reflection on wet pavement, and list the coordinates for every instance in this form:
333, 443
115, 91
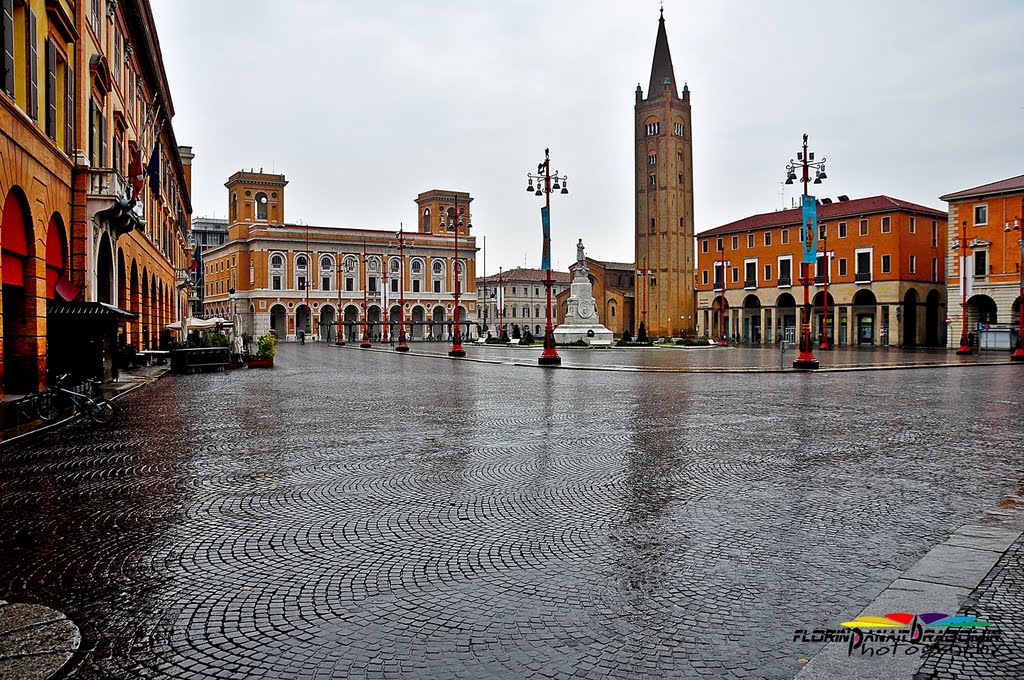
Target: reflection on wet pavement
354, 513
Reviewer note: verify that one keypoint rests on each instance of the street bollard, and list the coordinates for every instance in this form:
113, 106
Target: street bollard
782, 355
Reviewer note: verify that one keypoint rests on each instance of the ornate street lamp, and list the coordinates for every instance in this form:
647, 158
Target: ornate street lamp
721, 308
965, 346
550, 184
454, 223
1018, 353
402, 345
365, 344
829, 255
809, 225
646, 275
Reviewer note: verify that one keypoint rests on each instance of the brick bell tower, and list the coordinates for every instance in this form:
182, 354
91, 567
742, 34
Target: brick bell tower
664, 200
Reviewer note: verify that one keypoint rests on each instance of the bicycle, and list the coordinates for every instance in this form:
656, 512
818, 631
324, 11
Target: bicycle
100, 411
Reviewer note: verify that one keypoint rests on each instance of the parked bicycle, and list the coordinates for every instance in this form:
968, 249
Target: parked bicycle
48, 403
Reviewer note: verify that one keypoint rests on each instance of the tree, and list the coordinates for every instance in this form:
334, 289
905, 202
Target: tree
627, 336
641, 335
527, 337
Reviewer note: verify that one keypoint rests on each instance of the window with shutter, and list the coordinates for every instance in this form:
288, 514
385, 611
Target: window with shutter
103, 138
32, 72
8, 40
69, 109
51, 89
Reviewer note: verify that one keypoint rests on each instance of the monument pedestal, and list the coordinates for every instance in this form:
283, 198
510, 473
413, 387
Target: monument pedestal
581, 322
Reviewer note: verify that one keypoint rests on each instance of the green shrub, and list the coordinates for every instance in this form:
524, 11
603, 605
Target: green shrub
266, 347
641, 335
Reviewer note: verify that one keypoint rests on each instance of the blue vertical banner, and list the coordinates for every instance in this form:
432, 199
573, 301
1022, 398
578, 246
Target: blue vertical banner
810, 229
545, 220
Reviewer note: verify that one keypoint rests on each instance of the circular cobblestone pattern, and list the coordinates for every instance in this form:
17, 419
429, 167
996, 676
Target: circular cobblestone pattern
371, 515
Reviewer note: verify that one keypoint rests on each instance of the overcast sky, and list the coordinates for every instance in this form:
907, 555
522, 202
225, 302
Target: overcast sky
363, 105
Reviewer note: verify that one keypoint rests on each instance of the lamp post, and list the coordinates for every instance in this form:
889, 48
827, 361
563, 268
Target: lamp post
402, 345
549, 357
501, 305
721, 311
645, 274
454, 223
365, 344
805, 161
829, 255
1018, 353
964, 247
339, 322
384, 304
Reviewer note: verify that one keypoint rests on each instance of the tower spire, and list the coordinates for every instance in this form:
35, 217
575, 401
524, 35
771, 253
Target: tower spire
661, 68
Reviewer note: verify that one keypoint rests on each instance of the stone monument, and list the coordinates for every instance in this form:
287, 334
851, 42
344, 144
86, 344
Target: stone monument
581, 322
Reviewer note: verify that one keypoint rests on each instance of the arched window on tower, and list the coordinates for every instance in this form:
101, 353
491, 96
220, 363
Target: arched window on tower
261, 207
426, 219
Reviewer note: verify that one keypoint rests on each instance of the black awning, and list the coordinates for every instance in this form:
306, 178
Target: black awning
91, 309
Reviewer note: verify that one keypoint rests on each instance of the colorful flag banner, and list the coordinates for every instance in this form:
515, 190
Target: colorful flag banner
136, 174
545, 219
810, 229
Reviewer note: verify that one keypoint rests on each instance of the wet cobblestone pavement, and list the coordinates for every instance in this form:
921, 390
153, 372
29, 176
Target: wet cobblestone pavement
365, 514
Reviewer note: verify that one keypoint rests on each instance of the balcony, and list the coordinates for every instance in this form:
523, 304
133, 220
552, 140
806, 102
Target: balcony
785, 281
819, 279
109, 202
863, 277
750, 283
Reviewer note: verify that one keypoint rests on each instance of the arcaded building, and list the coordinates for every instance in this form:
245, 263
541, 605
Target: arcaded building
276, 275
880, 277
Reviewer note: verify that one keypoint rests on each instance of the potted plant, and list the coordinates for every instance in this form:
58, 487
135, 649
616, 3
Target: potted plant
266, 348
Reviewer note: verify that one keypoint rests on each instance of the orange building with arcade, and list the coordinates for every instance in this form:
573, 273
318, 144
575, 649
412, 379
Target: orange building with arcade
273, 275
880, 276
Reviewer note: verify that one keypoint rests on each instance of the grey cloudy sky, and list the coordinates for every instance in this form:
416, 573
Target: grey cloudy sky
362, 105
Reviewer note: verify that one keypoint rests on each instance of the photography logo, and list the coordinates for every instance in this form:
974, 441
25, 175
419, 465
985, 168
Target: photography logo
907, 634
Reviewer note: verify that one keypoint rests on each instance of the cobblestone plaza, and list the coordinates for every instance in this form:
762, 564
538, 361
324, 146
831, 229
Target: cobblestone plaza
368, 514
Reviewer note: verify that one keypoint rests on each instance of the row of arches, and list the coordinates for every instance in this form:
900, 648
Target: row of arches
421, 323
862, 320
31, 267
35, 270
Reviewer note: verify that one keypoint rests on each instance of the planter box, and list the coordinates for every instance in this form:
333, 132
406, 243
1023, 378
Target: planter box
261, 363
200, 359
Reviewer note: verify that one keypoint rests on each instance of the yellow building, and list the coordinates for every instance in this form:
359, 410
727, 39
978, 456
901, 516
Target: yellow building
287, 277
84, 88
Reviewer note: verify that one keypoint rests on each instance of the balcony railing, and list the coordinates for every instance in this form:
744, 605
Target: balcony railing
785, 281
108, 200
819, 279
750, 283
863, 277
108, 183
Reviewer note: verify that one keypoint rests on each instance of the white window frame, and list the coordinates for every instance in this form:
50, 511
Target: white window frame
913, 263
778, 263
871, 264
746, 262
983, 207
